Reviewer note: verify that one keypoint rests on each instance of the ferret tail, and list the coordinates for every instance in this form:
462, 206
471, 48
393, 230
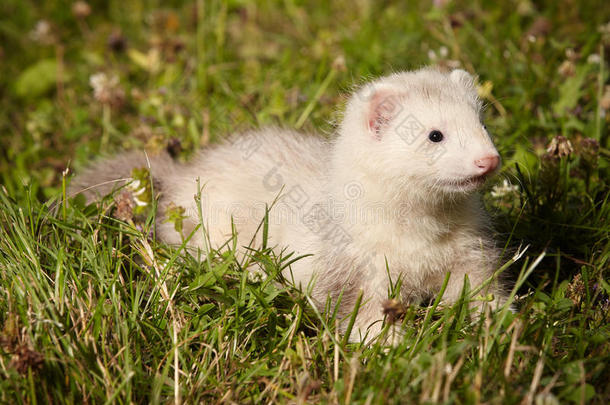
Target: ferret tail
106, 175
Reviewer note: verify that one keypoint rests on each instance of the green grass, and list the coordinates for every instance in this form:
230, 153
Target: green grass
94, 310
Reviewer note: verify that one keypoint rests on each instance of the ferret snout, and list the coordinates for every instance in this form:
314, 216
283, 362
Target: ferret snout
487, 164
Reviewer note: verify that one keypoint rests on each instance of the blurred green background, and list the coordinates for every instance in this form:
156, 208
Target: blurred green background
187, 72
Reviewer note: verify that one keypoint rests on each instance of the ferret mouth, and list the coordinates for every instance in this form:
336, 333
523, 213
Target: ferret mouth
466, 184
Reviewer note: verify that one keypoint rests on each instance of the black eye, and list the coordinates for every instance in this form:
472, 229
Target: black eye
435, 136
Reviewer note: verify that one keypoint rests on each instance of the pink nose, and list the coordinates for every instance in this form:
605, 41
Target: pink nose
487, 164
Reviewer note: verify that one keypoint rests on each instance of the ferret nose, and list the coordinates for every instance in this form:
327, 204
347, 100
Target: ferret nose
487, 164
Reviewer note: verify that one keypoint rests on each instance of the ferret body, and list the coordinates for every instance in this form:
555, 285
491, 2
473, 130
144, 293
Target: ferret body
390, 197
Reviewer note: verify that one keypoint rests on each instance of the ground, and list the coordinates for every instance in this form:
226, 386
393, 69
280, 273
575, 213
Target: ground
93, 309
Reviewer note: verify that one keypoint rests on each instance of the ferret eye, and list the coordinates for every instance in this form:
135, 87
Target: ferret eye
435, 136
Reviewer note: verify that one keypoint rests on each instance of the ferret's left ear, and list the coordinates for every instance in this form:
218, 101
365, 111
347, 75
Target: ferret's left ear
384, 105
463, 78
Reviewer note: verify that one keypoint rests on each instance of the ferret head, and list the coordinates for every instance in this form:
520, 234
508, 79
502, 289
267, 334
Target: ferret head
422, 127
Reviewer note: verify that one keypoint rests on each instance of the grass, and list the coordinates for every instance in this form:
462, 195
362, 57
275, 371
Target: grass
94, 310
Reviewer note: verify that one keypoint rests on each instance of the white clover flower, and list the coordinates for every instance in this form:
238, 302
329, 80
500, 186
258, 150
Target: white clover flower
140, 203
102, 84
594, 59
506, 188
136, 191
106, 89
42, 32
256, 275
443, 52
134, 183
139, 191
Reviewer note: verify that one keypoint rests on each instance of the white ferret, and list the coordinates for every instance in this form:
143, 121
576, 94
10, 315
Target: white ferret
390, 197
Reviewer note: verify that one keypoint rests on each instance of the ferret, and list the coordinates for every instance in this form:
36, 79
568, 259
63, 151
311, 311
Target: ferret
390, 197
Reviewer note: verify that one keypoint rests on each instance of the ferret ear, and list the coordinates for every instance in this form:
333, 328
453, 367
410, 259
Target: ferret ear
463, 78
384, 105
